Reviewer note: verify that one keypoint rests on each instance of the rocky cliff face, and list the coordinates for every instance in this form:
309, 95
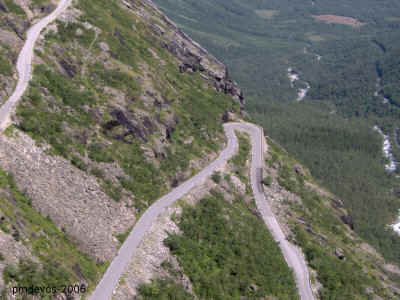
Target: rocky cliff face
193, 57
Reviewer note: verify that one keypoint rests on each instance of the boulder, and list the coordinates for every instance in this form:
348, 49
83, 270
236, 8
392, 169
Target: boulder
340, 253
348, 220
299, 170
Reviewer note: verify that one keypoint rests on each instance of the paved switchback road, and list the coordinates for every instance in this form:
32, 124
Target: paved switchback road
292, 255
24, 63
110, 279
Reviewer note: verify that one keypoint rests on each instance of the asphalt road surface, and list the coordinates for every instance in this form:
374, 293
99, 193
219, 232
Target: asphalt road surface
110, 279
293, 255
24, 63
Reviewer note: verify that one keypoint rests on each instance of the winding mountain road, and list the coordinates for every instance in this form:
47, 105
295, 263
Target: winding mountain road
24, 63
105, 288
292, 254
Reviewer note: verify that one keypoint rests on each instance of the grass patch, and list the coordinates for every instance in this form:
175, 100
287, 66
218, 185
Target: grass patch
162, 289
14, 8
216, 177
5, 66
240, 159
123, 236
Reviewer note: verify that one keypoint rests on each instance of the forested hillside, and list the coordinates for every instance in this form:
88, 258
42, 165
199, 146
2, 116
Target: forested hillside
348, 53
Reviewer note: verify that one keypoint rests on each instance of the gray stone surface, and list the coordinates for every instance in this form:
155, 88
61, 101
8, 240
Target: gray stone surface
72, 199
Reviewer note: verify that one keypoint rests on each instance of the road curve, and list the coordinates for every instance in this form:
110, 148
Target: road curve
24, 63
293, 256
110, 279
291, 253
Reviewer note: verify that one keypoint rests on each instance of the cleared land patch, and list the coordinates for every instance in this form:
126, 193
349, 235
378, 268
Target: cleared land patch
314, 37
333, 19
266, 13
392, 19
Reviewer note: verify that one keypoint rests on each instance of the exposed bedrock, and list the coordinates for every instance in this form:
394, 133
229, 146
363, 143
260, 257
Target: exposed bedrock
73, 199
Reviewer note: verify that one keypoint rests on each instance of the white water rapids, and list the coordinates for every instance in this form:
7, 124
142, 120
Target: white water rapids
293, 77
396, 226
379, 91
391, 166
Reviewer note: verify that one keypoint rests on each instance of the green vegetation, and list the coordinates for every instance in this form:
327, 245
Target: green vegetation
60, 261
267, 181
66, 32
63, 88
123, 236
228, 253
224, 249
83, 123
216, 177
331, 130
239, 160
5, 66
116, 79
28, 273
163, 289
389, 69
39, 2
321, 233
345, 156
14, 8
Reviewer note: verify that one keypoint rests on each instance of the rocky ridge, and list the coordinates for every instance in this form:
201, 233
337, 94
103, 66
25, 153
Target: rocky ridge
192, 56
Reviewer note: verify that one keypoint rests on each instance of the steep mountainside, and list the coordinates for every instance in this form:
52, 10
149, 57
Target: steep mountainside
210, 244
319, 76
15, 18
122, 106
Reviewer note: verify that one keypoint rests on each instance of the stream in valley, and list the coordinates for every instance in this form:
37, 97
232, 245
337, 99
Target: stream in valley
305, 86
302, 86
391, 166
396, 226
379, 91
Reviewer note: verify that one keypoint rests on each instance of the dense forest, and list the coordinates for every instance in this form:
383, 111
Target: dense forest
352, 67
